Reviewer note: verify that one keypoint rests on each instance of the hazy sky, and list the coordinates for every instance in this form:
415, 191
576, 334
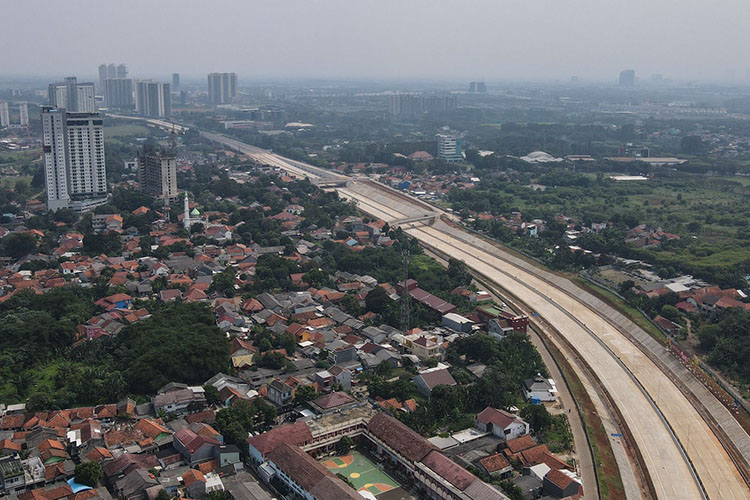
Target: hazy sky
388, 39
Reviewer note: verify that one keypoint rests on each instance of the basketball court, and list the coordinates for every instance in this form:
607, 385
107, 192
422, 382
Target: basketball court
362, 473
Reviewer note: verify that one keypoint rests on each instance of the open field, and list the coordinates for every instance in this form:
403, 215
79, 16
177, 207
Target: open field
128, 130
361, 472
10, 182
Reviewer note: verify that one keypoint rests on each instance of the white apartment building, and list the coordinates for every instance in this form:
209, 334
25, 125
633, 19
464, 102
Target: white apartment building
75, 171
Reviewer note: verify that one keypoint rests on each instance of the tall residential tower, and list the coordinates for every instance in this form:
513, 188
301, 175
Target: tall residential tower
75, 172
73, 96
4, 114
118, 93
222, 87
153, 99
157, 175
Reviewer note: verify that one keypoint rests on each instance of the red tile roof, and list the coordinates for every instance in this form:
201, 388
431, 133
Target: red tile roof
399, 437
494, 463
449, 470
297, 434
333, 400
519, 444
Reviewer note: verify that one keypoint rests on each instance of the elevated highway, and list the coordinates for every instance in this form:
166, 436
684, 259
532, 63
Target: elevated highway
674, 421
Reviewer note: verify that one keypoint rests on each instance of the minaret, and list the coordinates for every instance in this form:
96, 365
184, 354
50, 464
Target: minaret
186, 217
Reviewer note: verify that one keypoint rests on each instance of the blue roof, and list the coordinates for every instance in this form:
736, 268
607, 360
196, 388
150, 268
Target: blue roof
76, 487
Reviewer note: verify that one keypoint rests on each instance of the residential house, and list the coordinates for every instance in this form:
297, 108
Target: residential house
12, 479
499, 328
425, 348
195, 448
540, 389
457, 322
559, 484
428, 380
496, 466
179, 400
501, 423
279, 393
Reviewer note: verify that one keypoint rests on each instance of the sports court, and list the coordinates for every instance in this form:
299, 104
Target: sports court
362, 473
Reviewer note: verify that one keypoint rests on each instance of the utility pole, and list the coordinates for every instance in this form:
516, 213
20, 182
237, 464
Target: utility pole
405, 302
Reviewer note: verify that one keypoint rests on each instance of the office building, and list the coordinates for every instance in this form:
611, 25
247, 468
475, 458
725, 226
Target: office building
475, 87
222, 87
449, 147
4, 114
23, 113
176, 83
75, 172
118, 93
73, 96
157, 175
153, 99
627, 78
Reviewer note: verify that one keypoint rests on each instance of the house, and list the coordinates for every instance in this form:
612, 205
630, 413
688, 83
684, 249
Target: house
667, 325
12, 477
227, 454
498, 328
501, 423
540, 389
195, 448
496, 466
116, 301
195, 483
341, 376
427, 381
179, 400
134, 485
457, 322
324, 379
279, 393
425, 348
559, 484
374, 334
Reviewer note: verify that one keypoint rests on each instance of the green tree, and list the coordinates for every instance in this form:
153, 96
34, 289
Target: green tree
377, 300
223, 283
162, 495
212, 394
17, 245
88, 473
344, 445
219, 495
670, 312
304, 394
537, 417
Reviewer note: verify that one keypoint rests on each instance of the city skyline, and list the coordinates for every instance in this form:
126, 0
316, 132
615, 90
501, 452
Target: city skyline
529, 41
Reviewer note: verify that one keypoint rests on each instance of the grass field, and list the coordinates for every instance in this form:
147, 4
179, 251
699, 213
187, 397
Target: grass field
361, 472
125, 131
10, 182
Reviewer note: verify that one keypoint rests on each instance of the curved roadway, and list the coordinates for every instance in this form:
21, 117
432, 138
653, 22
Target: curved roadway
615, 360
